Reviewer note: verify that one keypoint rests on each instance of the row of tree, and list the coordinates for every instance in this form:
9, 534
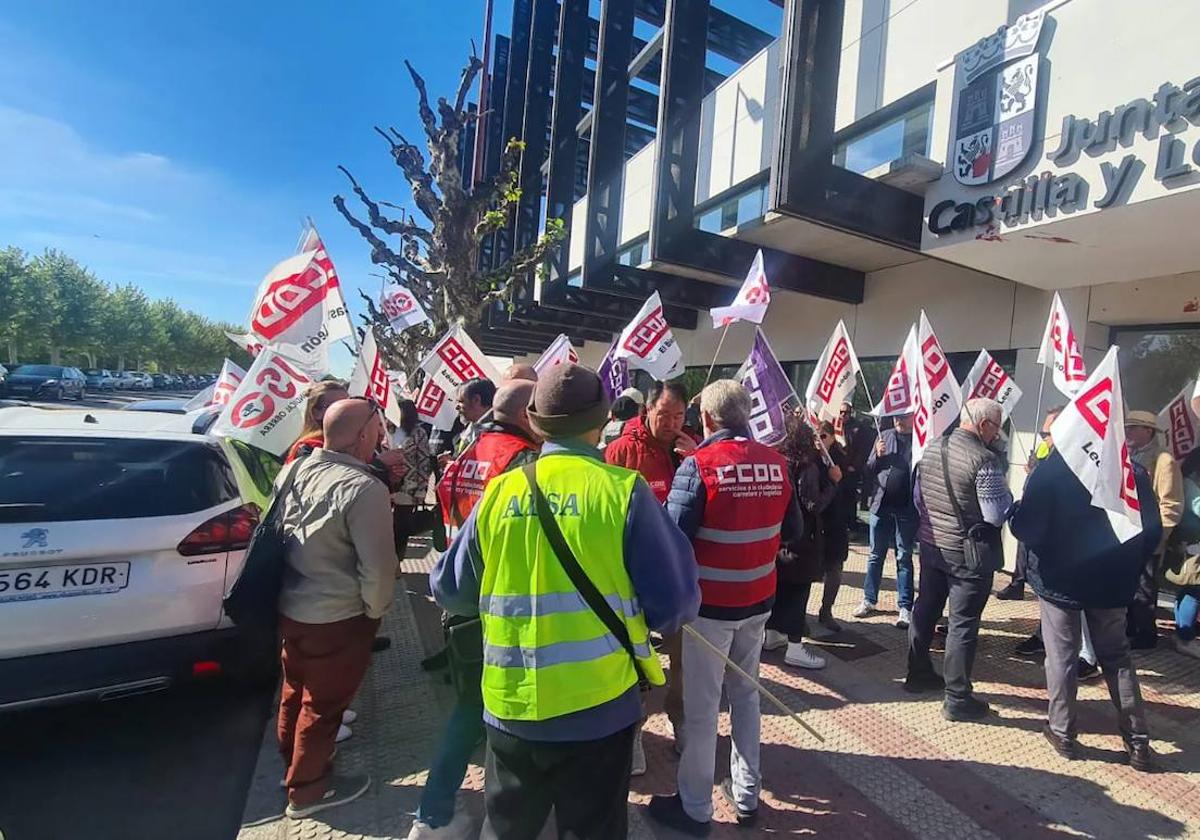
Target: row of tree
54, 310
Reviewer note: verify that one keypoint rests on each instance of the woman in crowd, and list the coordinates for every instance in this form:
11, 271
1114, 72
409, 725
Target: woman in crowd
1184, 567
320, 395
798, 571
412, 442
835, 521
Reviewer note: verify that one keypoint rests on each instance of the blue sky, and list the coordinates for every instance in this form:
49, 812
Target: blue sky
177, 145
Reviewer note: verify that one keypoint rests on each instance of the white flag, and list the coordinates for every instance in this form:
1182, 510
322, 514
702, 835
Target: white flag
900, 395
399, 381
370, 379
1090, 435
220, 391
267, 409
1181, 419
436, 397
988, 379
458, 353
939, 399
245, 341
648, 343
401, 307
833, 380
559, 351
337, 316
1060, 351
751, 301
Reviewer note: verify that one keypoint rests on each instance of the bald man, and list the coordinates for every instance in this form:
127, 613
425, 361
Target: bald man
338, 579
519, 370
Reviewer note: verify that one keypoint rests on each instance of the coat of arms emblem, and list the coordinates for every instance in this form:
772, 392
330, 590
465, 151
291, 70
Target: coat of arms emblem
996, 108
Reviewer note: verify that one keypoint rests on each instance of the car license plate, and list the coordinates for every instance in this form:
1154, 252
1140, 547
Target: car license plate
31, 584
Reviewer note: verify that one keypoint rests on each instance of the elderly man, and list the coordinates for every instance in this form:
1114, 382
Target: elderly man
961, 492
893, 522
1141, 434
733, 499
1085, 579
569, 563
338, 579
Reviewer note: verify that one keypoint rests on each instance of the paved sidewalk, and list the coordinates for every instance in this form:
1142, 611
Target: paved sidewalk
890, 766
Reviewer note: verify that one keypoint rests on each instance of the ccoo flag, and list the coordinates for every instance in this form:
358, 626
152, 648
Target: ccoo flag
772, 397
1181, 419
751, 301
220, 391
1090, 435
370, 379
647, 342
1060, 351
939, 399
455, 359
267, 409
900, 395
559, 351
614, 373
401, 307
988, 379
833, 380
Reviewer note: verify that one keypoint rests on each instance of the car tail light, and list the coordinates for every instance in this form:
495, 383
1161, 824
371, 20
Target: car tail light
229, 531
206, 668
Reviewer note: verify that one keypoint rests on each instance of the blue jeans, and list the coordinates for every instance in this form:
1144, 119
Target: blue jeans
464, 731
890, 530
1187, 604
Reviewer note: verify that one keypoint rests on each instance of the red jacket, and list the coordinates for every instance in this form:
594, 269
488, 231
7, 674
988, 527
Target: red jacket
743, 505
495, 451
637, 449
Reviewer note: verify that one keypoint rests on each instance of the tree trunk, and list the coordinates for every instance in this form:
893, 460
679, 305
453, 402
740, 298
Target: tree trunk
91, 357
121, 362
12, 351
55, 356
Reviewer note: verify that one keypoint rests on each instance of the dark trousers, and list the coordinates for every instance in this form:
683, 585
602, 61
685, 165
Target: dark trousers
672, 646
789, 614
1140, 616
463, 732
1018, 578
585, 782
967, 597
401, 525
323, 666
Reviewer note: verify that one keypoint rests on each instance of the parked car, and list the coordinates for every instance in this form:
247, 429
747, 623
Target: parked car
3, 378
144, 381
126, 380
99, 379
159, 381
46, 382
120, 534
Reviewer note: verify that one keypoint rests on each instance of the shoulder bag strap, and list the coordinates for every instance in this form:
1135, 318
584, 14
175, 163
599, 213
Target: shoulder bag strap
579, 578
950, 487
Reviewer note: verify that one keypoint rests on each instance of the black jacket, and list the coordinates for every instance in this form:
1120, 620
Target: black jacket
1074, 559
889, 477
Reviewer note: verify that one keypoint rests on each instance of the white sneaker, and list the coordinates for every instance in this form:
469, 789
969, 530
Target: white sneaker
344, 732
349, 716
864, 609
800, 656
459, 828
774, 640
638, 767
904, 619
1190, 648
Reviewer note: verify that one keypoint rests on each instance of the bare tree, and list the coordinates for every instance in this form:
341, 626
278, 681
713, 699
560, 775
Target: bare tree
438, 259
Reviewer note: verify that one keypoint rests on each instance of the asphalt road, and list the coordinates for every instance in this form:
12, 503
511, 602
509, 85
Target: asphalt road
175, 764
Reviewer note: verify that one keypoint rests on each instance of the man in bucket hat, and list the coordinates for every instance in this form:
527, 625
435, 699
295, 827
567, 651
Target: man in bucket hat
563, 663
1141, 435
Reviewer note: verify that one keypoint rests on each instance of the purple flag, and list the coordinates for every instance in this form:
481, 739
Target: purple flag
772, 396
614, 373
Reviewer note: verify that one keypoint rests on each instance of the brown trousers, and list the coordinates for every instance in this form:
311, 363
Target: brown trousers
323, 666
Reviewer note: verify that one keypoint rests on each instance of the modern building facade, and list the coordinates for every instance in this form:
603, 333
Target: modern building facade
888, 156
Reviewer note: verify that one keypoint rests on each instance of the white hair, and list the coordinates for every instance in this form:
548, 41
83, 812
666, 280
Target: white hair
979, 409
727, 403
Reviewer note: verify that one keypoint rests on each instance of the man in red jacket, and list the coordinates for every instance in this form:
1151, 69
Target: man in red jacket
654, 445
733, 499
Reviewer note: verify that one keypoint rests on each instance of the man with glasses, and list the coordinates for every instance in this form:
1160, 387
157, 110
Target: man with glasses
338, 580
960, 493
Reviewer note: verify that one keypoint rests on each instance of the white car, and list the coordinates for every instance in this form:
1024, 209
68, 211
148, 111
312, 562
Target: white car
126, 380
120, 534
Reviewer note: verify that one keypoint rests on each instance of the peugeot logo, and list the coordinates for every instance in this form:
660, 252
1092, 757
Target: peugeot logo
36, 538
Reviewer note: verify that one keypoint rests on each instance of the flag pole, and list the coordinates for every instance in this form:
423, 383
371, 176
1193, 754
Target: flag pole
720, 344
775, 701
871, 400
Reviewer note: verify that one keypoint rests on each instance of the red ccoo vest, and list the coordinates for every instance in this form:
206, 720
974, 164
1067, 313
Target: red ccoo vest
747, 496
462, 484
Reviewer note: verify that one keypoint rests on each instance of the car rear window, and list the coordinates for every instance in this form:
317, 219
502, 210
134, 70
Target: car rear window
66, 479
39, 370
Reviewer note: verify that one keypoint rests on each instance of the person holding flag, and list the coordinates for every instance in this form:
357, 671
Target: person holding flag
1090, 522
962, 499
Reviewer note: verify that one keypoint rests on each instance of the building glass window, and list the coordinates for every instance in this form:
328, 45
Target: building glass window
733, 211
1156, 362
907, 134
